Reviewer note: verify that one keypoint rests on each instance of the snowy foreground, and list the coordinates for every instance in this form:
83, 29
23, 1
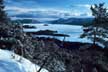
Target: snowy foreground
8, 64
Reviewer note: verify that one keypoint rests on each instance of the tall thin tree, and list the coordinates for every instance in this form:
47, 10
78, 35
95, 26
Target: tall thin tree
98, 30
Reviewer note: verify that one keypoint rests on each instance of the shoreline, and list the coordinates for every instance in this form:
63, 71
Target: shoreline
66, 44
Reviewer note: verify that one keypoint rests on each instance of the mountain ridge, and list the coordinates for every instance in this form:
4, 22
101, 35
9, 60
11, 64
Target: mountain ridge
75, 21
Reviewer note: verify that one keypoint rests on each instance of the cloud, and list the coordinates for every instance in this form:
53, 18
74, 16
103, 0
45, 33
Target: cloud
22, 3
35, 10
81, 5
19, 9
45, 8
44, 12
86, 14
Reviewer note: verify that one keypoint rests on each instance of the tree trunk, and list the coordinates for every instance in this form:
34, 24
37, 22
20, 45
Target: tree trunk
44, 62
94, 40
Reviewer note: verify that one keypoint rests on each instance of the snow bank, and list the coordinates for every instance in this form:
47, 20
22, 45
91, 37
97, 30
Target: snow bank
8, 64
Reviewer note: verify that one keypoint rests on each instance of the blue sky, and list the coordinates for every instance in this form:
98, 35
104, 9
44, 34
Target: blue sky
61, 8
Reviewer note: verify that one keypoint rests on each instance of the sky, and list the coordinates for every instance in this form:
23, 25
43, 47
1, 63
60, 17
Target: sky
52, 8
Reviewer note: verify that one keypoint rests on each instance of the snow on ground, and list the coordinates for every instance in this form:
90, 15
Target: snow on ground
8, 64
72, 30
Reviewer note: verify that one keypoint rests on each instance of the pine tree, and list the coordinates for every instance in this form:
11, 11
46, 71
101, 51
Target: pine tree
98, 30
2, 12
12, 36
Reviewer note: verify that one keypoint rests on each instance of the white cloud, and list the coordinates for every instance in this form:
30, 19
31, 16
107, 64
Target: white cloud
82, 5
86, 14
85, 5
19, 9
48, 12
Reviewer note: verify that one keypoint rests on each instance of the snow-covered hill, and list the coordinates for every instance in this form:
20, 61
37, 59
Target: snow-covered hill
10, 64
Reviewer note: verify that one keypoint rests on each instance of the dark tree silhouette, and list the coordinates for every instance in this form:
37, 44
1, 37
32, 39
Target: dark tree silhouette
98, 30
11, 33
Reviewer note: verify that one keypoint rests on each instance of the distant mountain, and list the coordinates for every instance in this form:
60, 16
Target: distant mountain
26, 21
37, 14
73, 21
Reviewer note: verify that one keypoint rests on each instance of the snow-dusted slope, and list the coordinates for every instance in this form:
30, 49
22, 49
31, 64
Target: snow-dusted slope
8, 64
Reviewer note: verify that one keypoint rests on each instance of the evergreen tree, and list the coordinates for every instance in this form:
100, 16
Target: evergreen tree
12, 36
3, 16
98, 30
2, 12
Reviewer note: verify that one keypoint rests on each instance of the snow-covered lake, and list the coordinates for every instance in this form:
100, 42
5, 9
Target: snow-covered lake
72, 30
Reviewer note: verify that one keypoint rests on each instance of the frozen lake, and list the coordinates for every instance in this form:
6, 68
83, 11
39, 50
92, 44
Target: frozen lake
72, 30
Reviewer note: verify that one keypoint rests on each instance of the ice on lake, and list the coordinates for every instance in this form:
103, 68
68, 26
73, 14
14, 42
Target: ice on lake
73, 30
